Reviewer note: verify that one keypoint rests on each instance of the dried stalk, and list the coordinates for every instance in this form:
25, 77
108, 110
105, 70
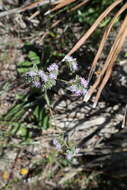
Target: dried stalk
61, 3
98, 80
79, 5
116, 47
27, 7
119, 45
104, 39
93, 27
124, 124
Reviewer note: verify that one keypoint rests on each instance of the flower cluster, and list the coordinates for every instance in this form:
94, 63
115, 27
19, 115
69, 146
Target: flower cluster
57, 144
71, 153
53, 68
83, 82
79, 86
43, 76
46, 80
72, 62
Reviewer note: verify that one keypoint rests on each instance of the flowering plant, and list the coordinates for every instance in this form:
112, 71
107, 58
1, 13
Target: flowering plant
46, 80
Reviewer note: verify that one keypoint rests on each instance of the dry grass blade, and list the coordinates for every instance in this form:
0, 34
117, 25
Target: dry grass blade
61, 3
22, 9
79, 5
118, 45
69, 175
124, 124
107, 62
93, 27
33, 5
104, 38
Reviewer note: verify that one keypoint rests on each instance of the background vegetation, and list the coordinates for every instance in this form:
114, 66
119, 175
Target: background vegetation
34, 35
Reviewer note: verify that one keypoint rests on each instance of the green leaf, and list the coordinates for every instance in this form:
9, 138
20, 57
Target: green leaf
13, 111
26, 66
34, 57
36, 111
125, 54
25, 63
22, 132
46, 122
22, 70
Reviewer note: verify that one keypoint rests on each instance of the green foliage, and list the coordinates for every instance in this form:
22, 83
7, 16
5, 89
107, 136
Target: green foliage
32, 60
89, 13
29, 110
41, 117
26, 114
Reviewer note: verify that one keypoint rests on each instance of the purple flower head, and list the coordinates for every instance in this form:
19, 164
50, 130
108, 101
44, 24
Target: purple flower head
52, 76
43, 76
69, 156
56, 144
32, 73
74, 66
78, 92
75, 90
72, 88
68, 58
77, 150
72, 62
53, 67
54, 141
84, 91
58, 147
37, 84
84, 82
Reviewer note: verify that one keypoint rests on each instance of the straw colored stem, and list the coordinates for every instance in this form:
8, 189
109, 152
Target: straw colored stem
104, 38
93, 27
115, 46
109, 69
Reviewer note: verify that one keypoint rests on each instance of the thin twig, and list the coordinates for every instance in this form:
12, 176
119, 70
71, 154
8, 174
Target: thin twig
93, 27
110, 59
124, 124
104, 38
116, 48
79, 5
27, 7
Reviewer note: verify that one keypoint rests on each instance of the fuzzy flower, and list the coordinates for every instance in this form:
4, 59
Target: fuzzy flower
72, 62
72, 88
43, 76
53, 67
78, 92
57, 144
37, 84
74, 66
84, 91
75, 90
54, 141
84, 82
77, 150
24, 171
52, 76
6, 175
58, 147
32, 73
68, 58
69, 156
